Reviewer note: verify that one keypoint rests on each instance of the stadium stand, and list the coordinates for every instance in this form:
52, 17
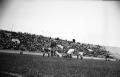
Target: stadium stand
34, 43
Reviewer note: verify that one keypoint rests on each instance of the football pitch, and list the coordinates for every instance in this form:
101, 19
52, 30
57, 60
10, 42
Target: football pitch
37, 66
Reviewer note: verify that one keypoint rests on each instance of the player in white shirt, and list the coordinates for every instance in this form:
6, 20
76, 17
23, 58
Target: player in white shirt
80, 54
70, 52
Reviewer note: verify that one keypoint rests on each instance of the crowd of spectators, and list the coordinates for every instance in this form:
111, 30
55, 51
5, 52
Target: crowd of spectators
31, 42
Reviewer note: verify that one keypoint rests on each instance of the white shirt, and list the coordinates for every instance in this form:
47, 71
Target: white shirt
60, 55
60, 46
70, 51
80, 53
49, 48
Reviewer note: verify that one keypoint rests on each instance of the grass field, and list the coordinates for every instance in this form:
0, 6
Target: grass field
38, 66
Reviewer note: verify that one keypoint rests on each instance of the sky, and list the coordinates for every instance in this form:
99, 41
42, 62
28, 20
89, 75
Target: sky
94, 22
